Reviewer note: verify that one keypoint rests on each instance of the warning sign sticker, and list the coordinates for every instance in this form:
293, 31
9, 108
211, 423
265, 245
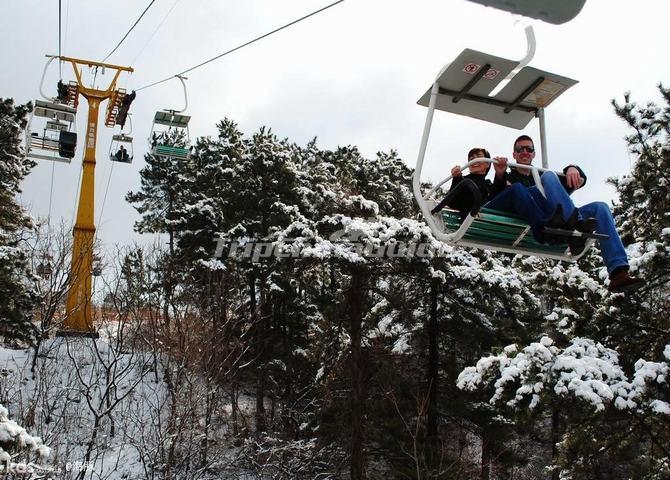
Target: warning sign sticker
491, 74
545, 93
471, 68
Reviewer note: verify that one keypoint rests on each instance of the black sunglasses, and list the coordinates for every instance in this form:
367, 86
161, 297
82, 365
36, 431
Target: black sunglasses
524, 149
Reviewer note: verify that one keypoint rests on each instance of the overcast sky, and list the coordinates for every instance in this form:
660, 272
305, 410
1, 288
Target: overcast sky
349, 76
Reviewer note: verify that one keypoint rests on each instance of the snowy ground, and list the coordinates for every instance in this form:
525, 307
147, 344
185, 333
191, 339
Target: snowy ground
101, 411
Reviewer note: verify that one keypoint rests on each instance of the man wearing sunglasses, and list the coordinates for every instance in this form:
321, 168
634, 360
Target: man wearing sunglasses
521, 196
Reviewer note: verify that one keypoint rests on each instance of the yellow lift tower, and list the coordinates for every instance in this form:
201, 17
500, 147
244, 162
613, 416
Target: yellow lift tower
78, 319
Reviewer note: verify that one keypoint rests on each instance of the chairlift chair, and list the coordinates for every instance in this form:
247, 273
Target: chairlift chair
121, 147
55, 137
464, 87
119, 154
552, 11
44, 268
51, 132
96, 266
166, 121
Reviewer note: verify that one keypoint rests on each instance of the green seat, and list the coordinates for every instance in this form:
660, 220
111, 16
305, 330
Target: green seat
174, 152
493, 227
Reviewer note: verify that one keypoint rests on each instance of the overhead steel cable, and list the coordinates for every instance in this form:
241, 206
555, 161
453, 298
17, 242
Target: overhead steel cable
128, 32
67, 17
104, 198
60, 64
53, 163
154, 33
241, 46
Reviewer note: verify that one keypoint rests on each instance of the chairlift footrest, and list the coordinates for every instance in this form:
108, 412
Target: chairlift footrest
574, 233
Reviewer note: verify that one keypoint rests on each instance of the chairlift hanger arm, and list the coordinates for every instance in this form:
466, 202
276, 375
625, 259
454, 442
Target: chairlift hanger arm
130, 122
183, 84
44, 73
530, 47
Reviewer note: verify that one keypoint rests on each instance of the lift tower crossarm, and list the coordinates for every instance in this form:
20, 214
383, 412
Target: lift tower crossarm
79, 319
91, 63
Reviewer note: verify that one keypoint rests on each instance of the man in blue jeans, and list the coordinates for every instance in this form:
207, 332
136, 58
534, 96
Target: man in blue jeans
521, 196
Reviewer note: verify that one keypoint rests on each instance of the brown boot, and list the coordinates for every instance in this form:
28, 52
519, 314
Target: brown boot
621, 281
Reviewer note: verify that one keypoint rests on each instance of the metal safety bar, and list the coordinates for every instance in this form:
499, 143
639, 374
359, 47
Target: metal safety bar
535, 171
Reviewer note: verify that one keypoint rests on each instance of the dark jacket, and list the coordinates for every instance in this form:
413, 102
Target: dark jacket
463, 201
513, 176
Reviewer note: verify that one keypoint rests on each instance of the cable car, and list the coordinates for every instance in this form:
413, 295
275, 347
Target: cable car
552, 11
465, 87
169, 131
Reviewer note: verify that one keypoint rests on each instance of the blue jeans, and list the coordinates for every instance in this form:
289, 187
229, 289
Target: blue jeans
530, 205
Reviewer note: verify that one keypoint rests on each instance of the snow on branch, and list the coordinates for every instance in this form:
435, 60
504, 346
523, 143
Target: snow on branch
584, 370
14, 441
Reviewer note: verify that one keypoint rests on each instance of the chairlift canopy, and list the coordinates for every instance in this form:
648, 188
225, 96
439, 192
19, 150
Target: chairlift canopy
56, 111
465, 85
171, 119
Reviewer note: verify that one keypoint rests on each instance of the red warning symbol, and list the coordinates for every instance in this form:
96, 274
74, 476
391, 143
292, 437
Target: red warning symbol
491, 74
471, 68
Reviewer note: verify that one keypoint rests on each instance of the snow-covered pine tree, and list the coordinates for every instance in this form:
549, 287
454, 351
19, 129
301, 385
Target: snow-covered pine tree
163, 184
17, 289
160, 190
609, 392
639, 326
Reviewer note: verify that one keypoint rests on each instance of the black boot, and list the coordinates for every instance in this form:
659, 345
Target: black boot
571, 223
556, 218
555, 221
577, 244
